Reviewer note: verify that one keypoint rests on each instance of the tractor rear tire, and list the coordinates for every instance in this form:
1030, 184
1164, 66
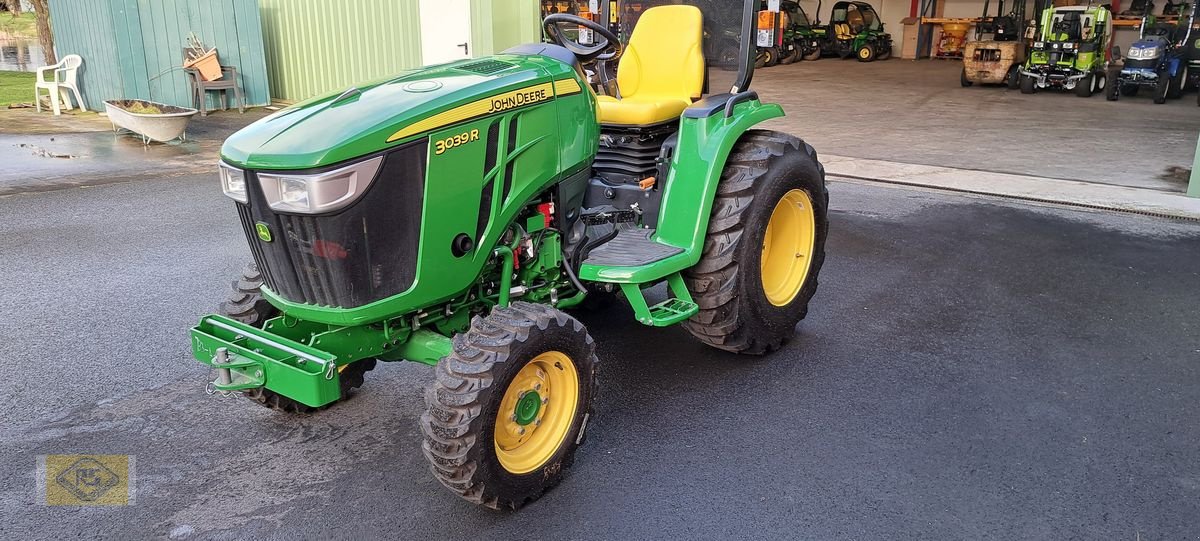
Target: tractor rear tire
1027, 85
1178, 82
963, 80
247, 305
515, 351
1084, 87
764, 170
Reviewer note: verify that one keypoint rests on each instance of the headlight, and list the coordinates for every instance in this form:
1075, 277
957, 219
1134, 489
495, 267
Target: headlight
1145, 53
1068, 46
319, 192
233, 182
1039, 45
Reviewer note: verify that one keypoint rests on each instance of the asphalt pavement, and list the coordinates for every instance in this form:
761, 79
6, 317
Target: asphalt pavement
970, 368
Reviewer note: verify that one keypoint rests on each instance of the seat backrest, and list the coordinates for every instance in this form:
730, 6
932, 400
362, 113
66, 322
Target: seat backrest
70, 65
665, 55
842, 31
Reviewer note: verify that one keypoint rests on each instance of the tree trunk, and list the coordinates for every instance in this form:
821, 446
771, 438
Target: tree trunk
45, 37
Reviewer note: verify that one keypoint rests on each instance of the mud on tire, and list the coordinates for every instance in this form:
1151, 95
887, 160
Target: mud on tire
735, 314
463, 402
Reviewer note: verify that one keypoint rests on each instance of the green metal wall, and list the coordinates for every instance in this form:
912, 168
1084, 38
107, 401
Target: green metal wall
134, 48
315, 48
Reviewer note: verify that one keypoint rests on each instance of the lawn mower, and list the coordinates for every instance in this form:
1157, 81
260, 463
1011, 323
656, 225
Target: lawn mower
802, 38
1149, 62
856, 29
451, 215
1071, 51
997, 60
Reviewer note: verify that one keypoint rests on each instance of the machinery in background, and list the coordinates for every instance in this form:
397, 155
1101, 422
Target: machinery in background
1139, 8
1071, 51
802, 37
856, 29
996, 60
1146, 63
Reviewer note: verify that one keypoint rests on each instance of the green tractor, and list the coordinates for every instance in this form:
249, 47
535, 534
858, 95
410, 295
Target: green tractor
449, 216
1071, 51
856, 29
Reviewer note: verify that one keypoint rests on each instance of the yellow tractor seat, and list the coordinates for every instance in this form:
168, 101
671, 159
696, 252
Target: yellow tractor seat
842, 30
661, 71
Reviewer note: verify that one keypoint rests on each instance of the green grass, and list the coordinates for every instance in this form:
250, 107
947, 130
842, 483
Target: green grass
16, 87
23, 26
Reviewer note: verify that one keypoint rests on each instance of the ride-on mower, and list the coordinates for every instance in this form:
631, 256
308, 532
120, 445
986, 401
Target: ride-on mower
802, 38
1071, 51
1147, 63
856, 29
450, 215
997, 60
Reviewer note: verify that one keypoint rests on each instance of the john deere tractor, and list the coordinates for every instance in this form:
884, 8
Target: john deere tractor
856, 29
451, 216
1071, 51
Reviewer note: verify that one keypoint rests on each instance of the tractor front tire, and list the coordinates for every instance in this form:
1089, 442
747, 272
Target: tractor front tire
1162, 90
247, 305
884, 53
768, 176
510, 405
1027, 85
1014, 78
814, 55
963, 80
1084, 87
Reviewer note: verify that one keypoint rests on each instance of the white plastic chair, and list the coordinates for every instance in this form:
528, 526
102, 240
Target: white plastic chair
64, 80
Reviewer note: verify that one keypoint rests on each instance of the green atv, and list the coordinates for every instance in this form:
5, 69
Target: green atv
450, 215
1071, 51
856, 29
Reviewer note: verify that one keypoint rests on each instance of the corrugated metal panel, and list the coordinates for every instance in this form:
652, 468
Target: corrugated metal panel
497, 25
314, 48
134, 48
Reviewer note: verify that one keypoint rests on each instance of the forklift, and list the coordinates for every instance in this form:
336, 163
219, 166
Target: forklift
996, 60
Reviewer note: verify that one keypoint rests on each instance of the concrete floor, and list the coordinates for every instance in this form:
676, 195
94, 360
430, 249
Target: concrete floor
916, 112
970, 368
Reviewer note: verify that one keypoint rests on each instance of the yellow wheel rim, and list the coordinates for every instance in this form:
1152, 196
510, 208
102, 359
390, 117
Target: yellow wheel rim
536, 412
788, 247
863, 53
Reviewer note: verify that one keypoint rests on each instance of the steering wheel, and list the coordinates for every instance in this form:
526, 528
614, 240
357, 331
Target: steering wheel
609, 47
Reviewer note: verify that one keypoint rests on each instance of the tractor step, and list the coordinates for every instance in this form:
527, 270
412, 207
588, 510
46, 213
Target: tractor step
630, 248
669, 312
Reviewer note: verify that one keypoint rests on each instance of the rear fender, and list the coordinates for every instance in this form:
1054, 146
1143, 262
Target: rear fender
691, 187
706, 137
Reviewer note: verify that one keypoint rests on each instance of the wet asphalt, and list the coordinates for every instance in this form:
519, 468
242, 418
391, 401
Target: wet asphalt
970, 368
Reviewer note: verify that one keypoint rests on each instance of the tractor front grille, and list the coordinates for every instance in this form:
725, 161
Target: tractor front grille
355, 256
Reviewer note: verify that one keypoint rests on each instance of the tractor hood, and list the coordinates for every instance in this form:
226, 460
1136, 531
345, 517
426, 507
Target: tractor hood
373, 117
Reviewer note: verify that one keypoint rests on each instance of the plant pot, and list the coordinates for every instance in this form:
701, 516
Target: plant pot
207, 65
